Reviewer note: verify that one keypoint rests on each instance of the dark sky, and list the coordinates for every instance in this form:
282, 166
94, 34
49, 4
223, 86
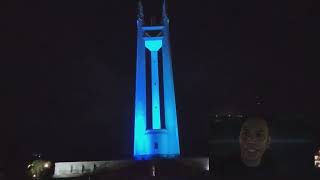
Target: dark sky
67, 69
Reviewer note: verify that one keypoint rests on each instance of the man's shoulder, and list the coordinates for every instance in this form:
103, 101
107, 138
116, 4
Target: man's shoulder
233, 165
228, 165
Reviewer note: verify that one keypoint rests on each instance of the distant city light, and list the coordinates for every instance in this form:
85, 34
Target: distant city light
46, 165
38, 168
317, 159
207, 167
153, 171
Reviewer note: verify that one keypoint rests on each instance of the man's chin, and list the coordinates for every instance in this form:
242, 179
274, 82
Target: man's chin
251, 162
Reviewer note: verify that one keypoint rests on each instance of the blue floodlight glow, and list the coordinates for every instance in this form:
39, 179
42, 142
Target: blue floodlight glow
154, 44
155, 142
156, 123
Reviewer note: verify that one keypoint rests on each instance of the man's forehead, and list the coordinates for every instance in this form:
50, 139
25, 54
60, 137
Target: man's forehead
255, 123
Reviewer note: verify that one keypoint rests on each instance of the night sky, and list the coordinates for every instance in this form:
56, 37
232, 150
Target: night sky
68, 70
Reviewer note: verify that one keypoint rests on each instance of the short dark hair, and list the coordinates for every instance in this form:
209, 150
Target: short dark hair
265, 117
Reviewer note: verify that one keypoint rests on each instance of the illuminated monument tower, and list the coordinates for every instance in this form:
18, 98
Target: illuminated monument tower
155, 126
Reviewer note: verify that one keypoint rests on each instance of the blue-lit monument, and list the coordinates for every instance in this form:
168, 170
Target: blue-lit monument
156, 137
155, 121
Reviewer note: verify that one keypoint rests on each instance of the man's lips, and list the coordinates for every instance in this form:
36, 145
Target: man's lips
251, 150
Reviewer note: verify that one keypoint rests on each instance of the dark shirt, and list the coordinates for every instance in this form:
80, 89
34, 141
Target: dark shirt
234, 166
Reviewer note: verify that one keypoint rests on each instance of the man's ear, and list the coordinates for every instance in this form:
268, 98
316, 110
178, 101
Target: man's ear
268, 141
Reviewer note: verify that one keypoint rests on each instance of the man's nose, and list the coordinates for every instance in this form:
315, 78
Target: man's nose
251, 140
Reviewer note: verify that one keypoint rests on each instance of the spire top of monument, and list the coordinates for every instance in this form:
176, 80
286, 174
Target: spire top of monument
140, 10
164, 9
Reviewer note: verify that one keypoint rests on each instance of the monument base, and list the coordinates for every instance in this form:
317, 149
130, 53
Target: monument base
177, 167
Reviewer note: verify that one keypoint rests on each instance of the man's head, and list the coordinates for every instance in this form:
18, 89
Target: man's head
254, 140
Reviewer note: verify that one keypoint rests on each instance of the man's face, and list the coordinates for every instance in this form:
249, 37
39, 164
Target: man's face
254, 140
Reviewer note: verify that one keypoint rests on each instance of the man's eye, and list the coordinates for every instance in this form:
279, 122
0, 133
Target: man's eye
260, 135
245, 135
